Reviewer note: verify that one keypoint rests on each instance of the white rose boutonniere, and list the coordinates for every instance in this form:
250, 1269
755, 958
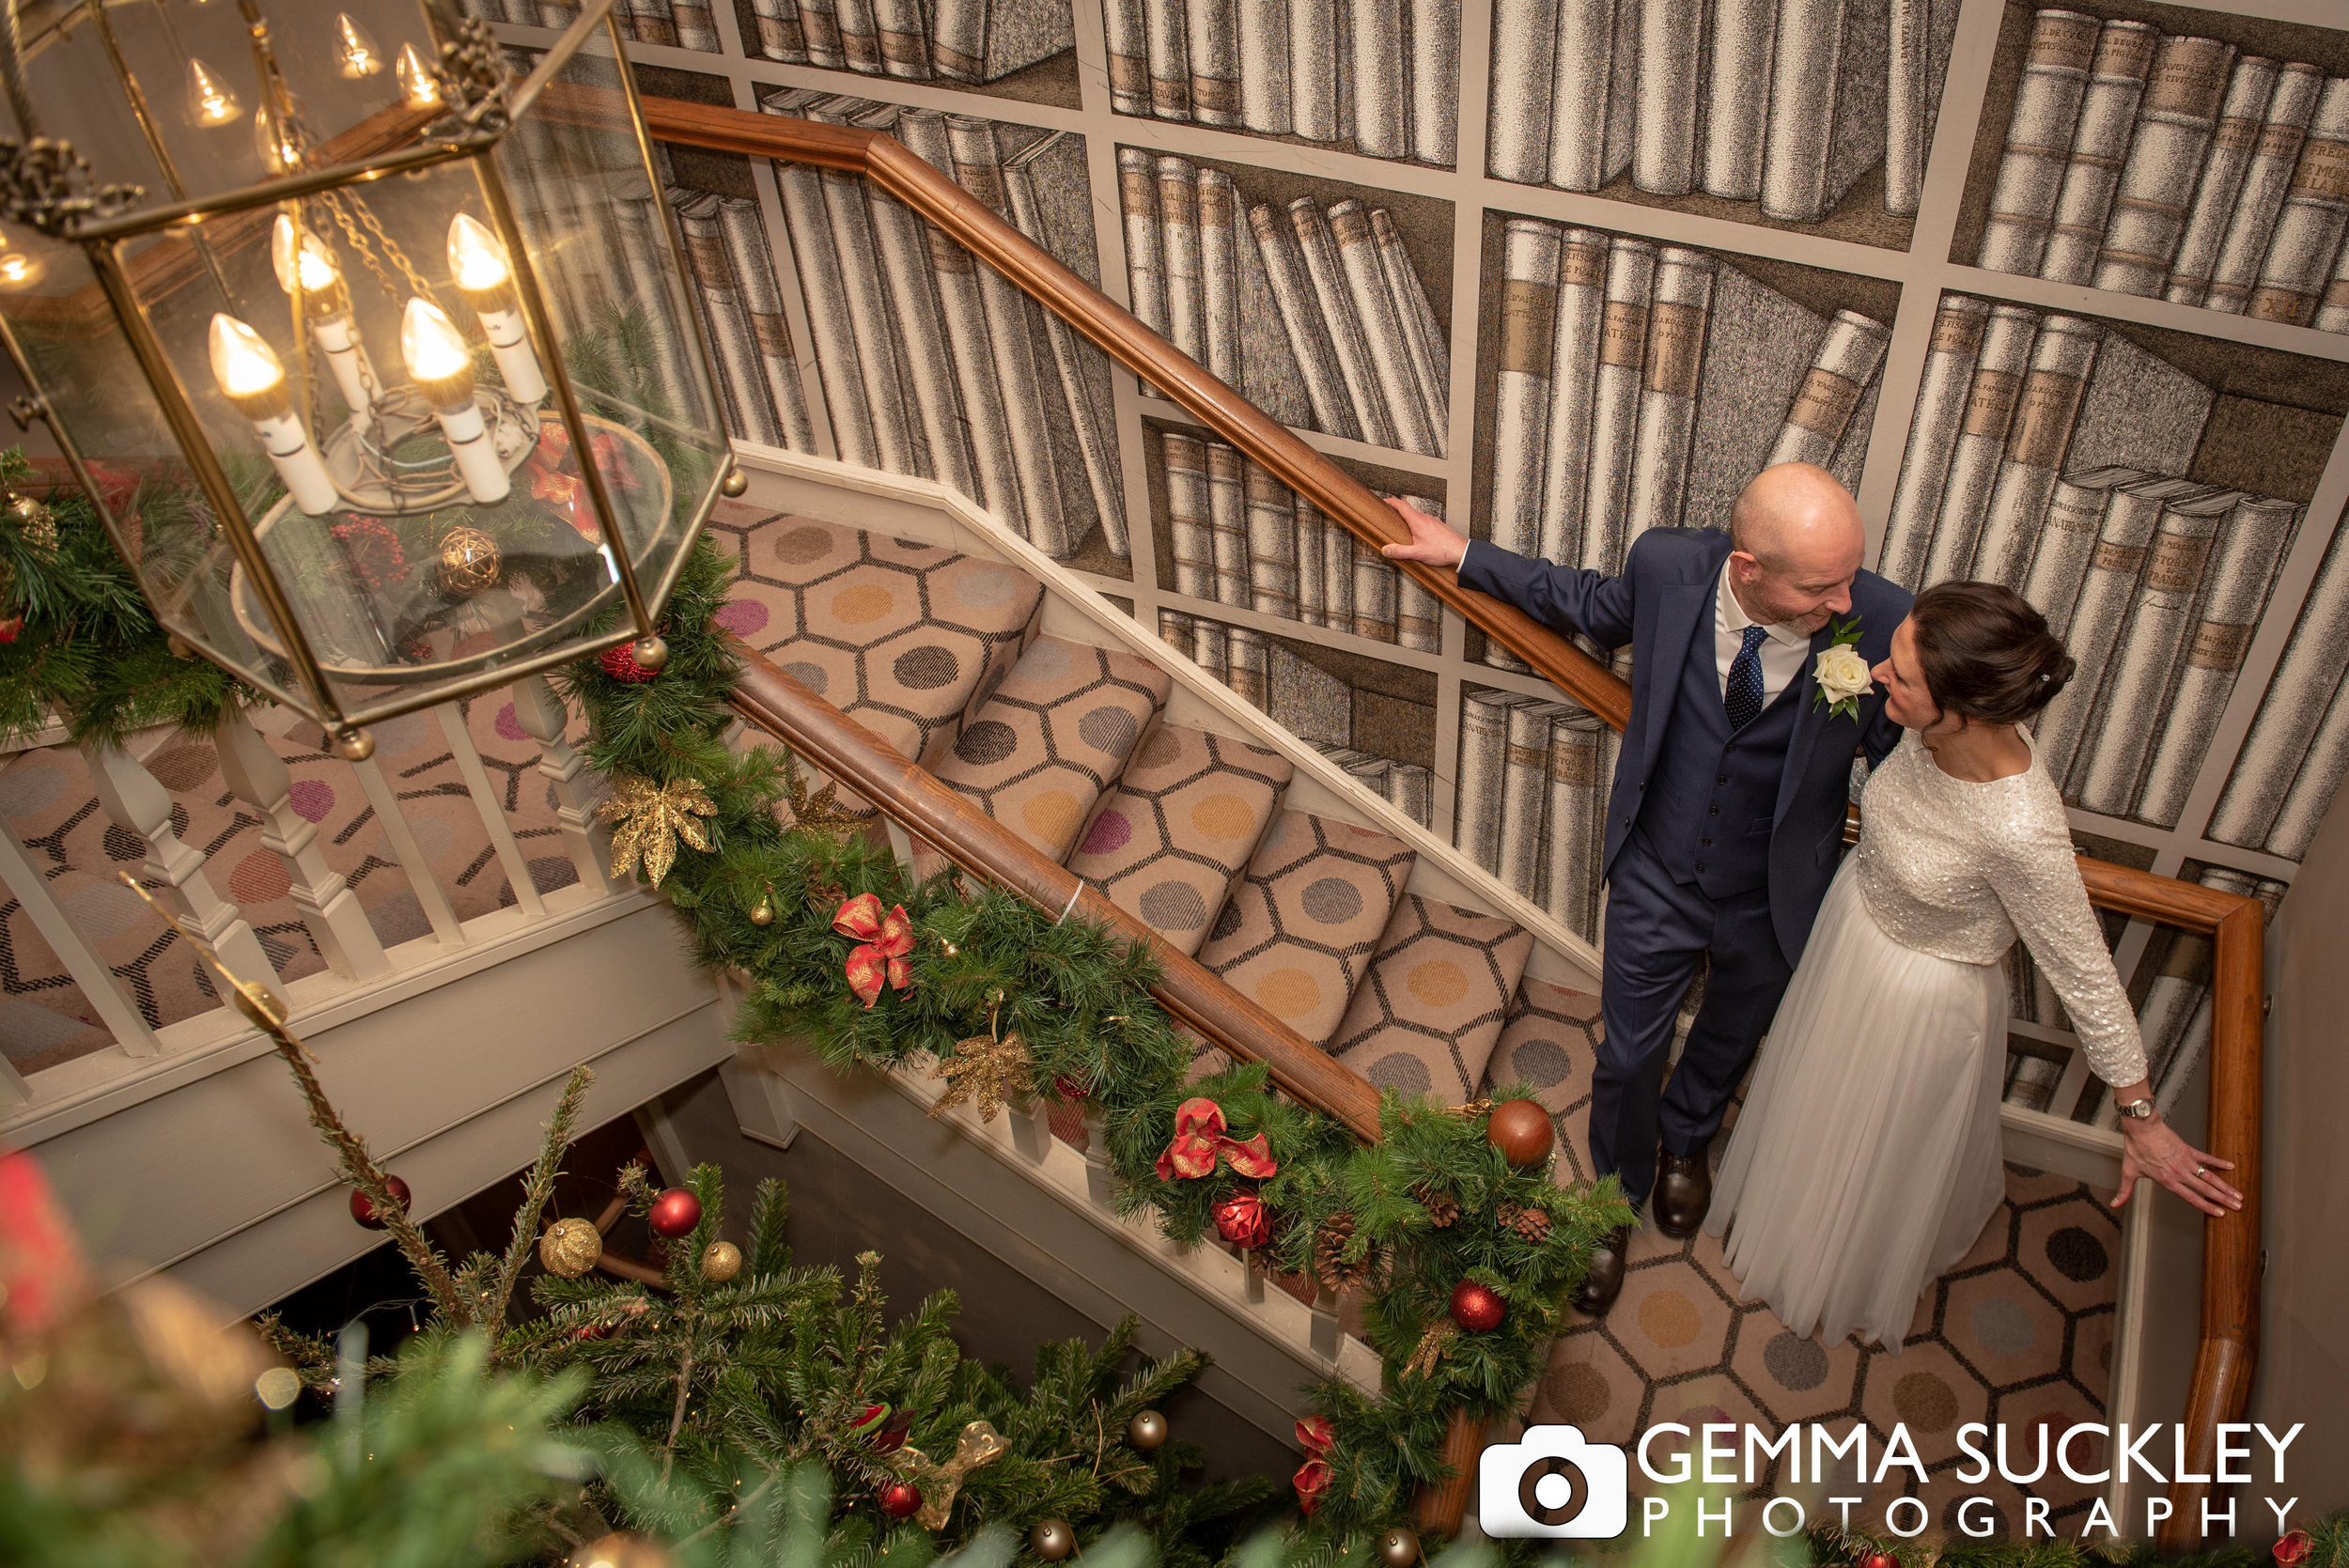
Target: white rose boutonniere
1842, 673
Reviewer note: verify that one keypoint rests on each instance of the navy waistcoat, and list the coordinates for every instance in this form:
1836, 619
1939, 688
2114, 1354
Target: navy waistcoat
1712, 798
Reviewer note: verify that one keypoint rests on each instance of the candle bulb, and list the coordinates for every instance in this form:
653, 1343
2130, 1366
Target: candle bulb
418, 87
249, 373
327, 302
355, 50
437, 359
208, 100
478, 262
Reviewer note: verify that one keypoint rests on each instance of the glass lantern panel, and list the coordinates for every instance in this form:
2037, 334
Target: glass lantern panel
603, 248
362, 368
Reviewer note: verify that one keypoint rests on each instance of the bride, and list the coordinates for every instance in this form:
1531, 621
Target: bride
1866, 1160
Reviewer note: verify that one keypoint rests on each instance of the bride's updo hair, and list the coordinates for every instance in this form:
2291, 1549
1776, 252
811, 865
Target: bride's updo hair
1987, 654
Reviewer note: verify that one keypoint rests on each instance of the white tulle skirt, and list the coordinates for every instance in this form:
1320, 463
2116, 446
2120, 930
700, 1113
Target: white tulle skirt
1866, 1160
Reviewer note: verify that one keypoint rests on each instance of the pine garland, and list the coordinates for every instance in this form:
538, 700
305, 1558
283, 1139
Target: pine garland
984, 964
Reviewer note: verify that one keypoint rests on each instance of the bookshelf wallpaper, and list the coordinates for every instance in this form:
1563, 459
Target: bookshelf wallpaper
2062, 294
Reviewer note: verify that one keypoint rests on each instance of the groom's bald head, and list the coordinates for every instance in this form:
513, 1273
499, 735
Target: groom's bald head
1797, 539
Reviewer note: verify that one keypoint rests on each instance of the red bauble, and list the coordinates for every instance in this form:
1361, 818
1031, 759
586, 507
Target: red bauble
363, 1209
1520, 1130
1880, 1560
901, 1499
1243, 1221
674, 1212
2292, 1547
1475, 1308
620, 664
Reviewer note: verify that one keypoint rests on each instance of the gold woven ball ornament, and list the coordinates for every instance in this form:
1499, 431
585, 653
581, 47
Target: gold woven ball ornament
571, 1248
721, 1261
470, 563
1147, 1431
1052, 1540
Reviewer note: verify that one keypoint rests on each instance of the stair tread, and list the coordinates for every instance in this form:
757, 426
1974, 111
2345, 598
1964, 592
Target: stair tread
902, 635
1300, 929
1550, 1044
1054, 736
1178, 829
1426, 1019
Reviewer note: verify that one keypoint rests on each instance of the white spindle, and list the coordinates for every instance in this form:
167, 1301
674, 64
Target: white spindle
330, 909
99, 985
543, 718
133, 798
409, 853
1324, 1335
485, 800
1100, 1185
1031, 1130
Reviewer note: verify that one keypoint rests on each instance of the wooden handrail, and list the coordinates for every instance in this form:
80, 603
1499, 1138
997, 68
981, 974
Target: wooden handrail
930, 810
2228, 1353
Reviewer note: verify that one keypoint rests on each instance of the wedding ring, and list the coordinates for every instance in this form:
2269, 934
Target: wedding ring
2201, 1170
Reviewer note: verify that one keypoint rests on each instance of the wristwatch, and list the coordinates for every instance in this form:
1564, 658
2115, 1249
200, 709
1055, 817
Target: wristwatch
2137, 1110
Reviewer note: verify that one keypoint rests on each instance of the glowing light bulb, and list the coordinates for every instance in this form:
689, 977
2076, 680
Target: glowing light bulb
417, 83
317, 266
18, 271
208, 100
431, 345
474, 256
276, 144
356, 51
485, 277
438, 359
327, 305
249, 372
244, 366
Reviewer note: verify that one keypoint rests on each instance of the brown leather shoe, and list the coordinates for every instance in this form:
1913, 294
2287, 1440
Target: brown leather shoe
1684, 1191
1603, 1281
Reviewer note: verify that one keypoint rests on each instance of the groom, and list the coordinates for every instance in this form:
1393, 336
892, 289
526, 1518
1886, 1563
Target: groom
1726, 820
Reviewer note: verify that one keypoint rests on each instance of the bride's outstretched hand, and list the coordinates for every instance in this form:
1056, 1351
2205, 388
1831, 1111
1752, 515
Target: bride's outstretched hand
2152, 1148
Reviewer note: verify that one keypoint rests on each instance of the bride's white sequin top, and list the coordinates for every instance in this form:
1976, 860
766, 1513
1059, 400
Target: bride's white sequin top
1958, 869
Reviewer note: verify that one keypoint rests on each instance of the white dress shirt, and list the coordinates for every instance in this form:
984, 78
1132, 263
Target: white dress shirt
1782, 651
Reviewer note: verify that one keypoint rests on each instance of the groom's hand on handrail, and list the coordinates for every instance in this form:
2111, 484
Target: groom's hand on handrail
1433, 540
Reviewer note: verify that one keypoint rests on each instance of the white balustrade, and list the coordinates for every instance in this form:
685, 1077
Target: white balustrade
330, 909
257, 777
491, 809
543, 718
132, 798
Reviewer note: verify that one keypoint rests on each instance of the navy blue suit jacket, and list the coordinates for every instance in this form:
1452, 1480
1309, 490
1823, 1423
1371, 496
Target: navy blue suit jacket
1665, 592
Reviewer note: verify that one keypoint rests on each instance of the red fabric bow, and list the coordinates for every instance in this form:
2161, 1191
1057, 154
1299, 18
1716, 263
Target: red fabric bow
1310, 1480
1200, 1138
886, 938
554, 475
1317, 1436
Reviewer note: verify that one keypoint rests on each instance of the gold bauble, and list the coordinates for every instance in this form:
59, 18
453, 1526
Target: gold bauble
1399, 1548
762, 913
571, 1248
1052, 1540
721, 1261
470, 562
1147, 1431
38, 522
619, 1550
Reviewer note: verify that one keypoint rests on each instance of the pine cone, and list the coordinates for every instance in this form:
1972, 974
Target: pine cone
1533, 1224
825, 897
1505, 1214
1330, 1264
1442, 1208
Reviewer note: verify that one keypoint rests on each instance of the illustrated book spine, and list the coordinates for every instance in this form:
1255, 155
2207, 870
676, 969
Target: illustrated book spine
1672, 370
2174, 123
1941, 396
2309, 226
2037, 440
2116, 82
2006, 344
2265, 183
2232, 142
2038, 142
2305, 687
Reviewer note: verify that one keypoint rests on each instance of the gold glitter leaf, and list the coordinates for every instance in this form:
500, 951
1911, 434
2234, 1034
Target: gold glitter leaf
984, 1069
651, 819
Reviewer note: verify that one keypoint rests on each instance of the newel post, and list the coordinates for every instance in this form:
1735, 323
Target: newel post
1442, 1504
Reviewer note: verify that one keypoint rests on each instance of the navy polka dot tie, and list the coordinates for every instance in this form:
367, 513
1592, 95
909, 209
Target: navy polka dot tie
1742, 697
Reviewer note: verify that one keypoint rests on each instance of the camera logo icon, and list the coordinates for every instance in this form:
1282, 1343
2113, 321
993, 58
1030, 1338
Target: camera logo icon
1554, 1485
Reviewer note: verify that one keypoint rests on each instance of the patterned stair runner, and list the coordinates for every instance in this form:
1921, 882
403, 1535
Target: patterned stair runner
1300, 928
1167, 845
906, 638
1053, 739
1427, 1017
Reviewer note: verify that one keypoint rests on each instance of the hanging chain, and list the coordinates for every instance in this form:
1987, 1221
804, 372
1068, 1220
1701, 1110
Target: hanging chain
391, 247
358, 242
